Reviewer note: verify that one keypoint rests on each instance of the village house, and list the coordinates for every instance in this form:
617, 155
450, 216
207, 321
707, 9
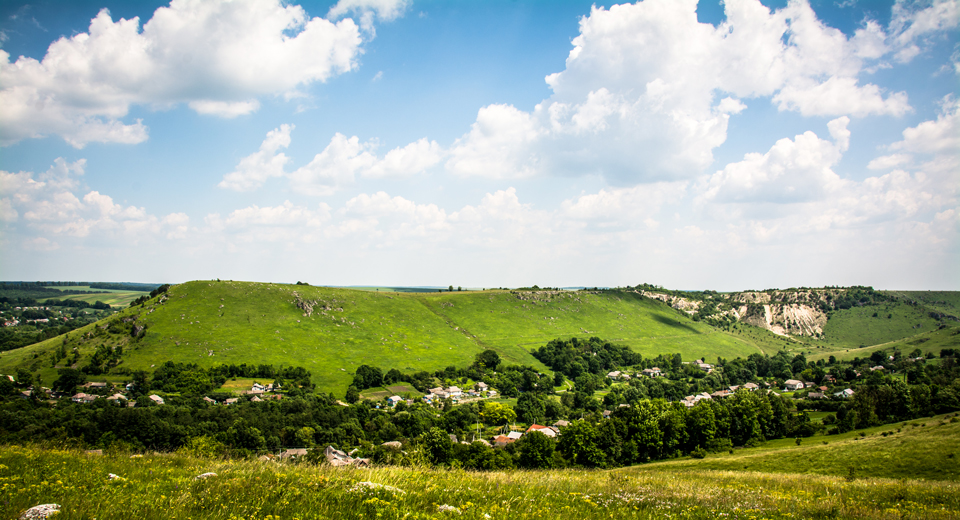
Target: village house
96, 385
338, 458
256, 399
546, 430
232, 400
614, 375
394, 399
751, 386
84, 398
844, 394
652, 372
293, 453
482, 387
209, 401
156, 399
454, 391
792, 384
117, 398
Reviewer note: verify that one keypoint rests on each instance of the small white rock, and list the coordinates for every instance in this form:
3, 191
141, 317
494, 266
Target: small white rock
40, 512
205, 475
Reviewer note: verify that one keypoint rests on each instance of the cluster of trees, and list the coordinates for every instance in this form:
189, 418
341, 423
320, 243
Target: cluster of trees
509, 380
153, 294
646, 423
575, 357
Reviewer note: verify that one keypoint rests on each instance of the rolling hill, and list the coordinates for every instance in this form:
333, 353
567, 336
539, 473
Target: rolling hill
332, 331
210, 322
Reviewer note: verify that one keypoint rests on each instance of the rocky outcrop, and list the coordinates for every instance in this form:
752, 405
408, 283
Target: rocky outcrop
677, 302
784, 319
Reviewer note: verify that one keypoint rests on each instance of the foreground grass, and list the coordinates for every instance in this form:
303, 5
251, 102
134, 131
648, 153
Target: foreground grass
165, 487
925, 448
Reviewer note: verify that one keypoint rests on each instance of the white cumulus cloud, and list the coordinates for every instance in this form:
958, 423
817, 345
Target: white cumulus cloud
216, 55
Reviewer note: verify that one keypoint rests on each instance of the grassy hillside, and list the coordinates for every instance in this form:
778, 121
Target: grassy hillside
947, 302
210, 322
165, 486
928, 342
213, 322
925, 448
874, 324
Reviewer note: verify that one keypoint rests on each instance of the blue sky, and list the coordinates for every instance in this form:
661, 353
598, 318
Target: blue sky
727, 146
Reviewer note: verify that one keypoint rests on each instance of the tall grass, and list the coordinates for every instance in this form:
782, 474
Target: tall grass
165, 487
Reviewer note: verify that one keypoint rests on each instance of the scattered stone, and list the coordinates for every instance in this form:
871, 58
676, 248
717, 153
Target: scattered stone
204, 476
373, 486
40, 512
113, 476
447, 509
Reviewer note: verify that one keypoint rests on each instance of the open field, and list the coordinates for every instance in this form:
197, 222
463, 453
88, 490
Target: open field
928, 342
210, 323
84, 288
924, 448
873, 324
943, 301
111, 298
164, 486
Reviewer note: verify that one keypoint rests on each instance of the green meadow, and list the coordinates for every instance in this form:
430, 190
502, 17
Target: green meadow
920, 449
931, 342
898, 476
112, 297
211, 322
229, 322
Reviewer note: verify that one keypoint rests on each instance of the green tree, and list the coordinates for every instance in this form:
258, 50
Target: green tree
496, 413
353, 395
536, 450
68, 380
24, 378
487, 360
578, 443
438, 446
304, 437
531, 407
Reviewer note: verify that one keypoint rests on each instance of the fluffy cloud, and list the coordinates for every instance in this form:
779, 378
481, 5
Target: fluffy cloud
338, 165
214, 55
257, 167
791, 193
795, 170
913, 21
367, 10
49, 205
647, 91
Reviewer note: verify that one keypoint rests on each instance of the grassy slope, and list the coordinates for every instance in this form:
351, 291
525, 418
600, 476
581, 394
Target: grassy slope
925, 448
932, 342
778, 483
259, 323
942, 301
852, 328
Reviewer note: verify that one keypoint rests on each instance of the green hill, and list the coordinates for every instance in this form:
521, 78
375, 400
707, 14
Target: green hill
331, 331
211, 322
